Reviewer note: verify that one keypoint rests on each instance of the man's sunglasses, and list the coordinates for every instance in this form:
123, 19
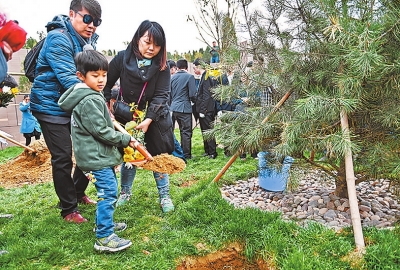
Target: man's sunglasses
87, 18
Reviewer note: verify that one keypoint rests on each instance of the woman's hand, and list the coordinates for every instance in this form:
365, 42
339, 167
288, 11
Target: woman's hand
144, 126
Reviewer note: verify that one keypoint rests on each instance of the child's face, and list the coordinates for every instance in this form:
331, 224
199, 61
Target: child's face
94, 79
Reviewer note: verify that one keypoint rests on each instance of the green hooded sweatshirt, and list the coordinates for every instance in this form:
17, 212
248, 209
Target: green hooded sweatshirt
94, 138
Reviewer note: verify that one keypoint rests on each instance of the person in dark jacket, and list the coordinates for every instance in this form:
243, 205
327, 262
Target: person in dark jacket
145, 80
95, 143
56, 73
205, 107
183, 94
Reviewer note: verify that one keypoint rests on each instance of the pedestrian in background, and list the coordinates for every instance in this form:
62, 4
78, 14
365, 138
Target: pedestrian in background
214, 53
205, 107
183, 94
29, 126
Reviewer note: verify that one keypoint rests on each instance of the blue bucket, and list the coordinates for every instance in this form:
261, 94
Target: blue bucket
273, 179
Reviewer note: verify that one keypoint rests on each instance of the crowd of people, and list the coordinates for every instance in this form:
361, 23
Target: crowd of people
70, 105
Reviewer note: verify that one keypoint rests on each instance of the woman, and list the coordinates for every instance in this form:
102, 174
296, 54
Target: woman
145, 80
30, 126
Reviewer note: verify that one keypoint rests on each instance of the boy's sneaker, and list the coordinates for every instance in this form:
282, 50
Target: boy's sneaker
123, 199
112, 243
166, 204
118, 227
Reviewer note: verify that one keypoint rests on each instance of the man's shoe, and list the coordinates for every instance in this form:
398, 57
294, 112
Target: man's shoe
118, 227
166, 204
75, 217
86, 200
212, 156
204, 155
112, 243
123, 199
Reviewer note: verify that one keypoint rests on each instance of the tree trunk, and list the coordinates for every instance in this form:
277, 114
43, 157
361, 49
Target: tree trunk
351, 186
340, 182
312, 155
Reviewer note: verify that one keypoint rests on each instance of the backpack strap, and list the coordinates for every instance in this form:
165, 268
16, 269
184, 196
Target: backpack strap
65, 32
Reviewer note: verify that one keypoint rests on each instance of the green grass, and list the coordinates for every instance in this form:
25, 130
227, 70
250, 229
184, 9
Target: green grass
9, 153
37, 237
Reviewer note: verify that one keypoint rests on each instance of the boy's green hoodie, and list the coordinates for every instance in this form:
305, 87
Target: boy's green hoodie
94, 138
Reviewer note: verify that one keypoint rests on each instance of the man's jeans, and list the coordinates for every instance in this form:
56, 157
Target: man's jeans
128, 175
215, 59
107, 191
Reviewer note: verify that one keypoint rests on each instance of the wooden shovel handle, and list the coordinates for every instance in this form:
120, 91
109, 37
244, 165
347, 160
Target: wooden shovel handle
18, 143
137, 145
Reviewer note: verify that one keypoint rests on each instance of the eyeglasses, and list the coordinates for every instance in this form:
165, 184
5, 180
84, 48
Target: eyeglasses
87, 18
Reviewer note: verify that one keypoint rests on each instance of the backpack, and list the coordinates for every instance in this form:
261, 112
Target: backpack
32, 56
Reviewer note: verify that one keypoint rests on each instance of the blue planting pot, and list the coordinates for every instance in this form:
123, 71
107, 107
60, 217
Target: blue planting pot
273, 179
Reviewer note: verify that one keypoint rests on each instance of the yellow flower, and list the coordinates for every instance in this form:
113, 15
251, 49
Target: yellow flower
138, 156
131, 154
140, 114
14, 91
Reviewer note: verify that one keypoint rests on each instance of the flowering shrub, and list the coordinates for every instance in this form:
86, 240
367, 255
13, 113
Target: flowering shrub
132, 155
6, 95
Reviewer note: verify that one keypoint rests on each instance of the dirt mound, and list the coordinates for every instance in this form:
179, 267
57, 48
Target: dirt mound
27, 168
165, 163
228, 258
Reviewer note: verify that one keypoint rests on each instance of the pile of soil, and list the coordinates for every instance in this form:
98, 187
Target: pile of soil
28, 168
165, 163
229, 258
34, 168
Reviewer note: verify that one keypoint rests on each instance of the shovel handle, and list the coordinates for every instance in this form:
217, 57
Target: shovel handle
18, 143
142, 150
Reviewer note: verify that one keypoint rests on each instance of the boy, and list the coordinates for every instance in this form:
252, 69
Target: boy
95, 143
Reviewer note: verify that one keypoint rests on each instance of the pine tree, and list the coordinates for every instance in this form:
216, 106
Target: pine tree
339, 61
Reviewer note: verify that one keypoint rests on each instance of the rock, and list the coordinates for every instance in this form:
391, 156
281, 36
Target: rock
330, 214
314, 200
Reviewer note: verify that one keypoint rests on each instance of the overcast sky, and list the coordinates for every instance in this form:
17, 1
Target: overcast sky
120, 20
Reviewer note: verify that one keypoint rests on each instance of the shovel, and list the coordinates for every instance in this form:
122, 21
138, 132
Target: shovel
142, 150
18, 143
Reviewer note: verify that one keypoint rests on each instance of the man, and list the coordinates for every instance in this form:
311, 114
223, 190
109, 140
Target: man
205, 107
57, 72
214, 52
183, 93
172, 67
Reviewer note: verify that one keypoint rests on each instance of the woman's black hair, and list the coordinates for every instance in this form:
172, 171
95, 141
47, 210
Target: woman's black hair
157, 35
90, 60
25, 96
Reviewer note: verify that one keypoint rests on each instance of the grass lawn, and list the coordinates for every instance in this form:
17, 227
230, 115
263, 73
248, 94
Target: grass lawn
38, 238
